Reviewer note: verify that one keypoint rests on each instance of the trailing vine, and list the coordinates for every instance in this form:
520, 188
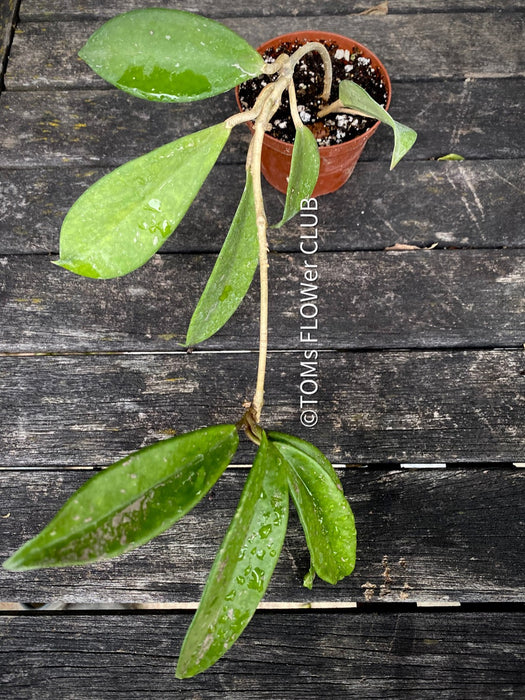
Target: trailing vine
116, 226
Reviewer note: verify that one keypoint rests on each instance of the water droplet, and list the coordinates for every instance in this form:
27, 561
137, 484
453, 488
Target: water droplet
226, 292
256, 582
155, 204
265, 531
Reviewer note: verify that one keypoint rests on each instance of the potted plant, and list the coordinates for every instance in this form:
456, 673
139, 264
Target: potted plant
119, 223
341, 137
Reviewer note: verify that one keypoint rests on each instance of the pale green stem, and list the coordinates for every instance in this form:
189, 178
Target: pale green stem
327, 64
267, 112
267, 104
338, 106
293, 107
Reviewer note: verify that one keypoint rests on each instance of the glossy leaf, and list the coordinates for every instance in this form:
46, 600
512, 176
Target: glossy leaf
243, 566
295, 443
232, 274
132, 501
304, 172
170, 55
325, 515
121, 221
355, 97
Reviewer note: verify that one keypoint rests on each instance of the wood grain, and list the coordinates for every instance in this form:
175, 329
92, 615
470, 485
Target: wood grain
281, 655
108, 127
477, 204
53, 9
415, 299
34, 66
435, 406
444, 535
8, 14
411, 374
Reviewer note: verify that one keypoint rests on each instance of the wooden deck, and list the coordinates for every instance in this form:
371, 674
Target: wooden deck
422, 363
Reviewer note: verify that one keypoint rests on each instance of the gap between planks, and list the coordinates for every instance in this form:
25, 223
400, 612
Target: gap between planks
437, 606
276, 351
379, 466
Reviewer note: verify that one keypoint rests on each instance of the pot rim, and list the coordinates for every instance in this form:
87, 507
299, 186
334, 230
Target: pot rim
313, 35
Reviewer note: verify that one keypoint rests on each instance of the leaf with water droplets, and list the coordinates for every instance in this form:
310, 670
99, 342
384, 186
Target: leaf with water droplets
243, 566
304, 172
121, 221
353, 96
132, 501
232, 274
170, 55
325, 515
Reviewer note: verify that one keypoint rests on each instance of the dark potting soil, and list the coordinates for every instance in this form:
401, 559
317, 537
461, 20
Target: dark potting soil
308, 78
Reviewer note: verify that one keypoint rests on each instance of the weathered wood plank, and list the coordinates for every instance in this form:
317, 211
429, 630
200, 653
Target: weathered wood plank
107, 127
445, 535
44, 55
8, 14
281, 655
470, 204
423, 299
372, 407
58, 9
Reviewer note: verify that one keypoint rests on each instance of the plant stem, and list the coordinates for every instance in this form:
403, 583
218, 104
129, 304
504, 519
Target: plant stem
338, 106
293, 107
327, 64
265, 107
266, 114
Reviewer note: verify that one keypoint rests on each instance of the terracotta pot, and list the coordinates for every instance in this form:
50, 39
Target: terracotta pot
337, 162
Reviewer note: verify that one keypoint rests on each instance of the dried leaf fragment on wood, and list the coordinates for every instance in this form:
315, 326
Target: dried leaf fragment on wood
381, 9
409, 246
403, 246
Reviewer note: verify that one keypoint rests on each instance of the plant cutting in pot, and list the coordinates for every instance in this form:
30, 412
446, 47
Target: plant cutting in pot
120, 222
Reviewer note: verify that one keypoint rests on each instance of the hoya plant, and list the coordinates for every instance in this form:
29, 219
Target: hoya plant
116, 226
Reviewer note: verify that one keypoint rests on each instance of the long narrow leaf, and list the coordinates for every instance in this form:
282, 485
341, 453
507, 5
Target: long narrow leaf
304, 172
243, 567
132, 501
125, 217
298, 445
232, 274
170, 55
325, 515
354, 96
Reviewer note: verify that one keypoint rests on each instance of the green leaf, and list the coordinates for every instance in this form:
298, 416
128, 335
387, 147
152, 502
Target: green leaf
125, 217
170, 55
243, 566
232, 274
355, 97
325, 515
451, 156
308, 579
304, 172
311, 451
132, 501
